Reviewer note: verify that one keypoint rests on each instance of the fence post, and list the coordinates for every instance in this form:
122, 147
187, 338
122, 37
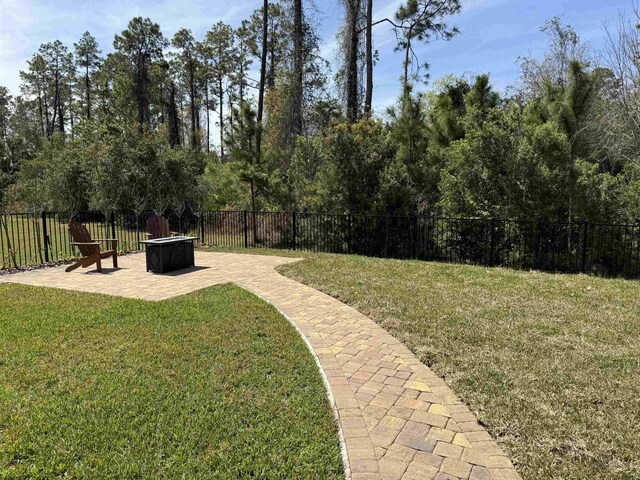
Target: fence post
585, 236
113, 224
202, 239
295, 229
246, 231
350, 235
414, 237
538, 253
45, 236
493, 242
386, 236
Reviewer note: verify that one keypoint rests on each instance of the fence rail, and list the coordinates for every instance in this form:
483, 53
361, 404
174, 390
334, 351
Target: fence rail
597, 249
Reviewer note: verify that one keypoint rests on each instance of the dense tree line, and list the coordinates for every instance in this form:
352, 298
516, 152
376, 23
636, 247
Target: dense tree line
133, 129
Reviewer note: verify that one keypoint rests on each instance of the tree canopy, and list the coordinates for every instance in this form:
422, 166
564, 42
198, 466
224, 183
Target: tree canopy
136, 128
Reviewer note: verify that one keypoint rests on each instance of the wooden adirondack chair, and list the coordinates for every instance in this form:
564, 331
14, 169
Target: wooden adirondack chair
158, 227
90, 249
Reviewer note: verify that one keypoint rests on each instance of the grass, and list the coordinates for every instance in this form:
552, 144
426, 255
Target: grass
550, 363
215, 384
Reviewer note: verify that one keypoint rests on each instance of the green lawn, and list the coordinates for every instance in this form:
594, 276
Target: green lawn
550, 363
215, 384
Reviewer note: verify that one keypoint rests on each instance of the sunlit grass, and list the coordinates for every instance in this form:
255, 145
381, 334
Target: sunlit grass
215, 384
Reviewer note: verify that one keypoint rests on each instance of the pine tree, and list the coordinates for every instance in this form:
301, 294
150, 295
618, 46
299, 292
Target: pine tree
276, 38
185, 64
241, 141
55, 64
88, 60
422, 21
142, 43
219, 44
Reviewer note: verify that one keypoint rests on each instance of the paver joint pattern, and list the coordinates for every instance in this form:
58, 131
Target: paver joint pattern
398, 419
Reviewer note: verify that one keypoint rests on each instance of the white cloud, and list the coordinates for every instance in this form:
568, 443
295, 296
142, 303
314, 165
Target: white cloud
15, 11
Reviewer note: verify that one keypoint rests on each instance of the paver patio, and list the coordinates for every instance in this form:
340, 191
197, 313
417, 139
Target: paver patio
398, 419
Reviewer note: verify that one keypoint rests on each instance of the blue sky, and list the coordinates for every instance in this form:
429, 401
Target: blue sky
494, 33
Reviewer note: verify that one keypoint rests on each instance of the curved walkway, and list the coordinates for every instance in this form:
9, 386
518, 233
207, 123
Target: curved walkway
398, 419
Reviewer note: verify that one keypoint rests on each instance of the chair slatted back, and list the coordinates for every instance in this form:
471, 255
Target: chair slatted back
79, 233
158, 227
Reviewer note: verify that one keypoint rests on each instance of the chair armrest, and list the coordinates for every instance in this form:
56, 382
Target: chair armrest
84, 243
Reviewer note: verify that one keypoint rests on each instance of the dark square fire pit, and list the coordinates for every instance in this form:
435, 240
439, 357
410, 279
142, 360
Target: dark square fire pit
168, 254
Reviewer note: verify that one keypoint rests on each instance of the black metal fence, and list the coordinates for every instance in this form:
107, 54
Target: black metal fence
597, 249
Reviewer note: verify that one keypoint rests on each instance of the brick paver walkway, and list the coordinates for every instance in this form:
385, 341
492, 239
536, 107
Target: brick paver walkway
397, 418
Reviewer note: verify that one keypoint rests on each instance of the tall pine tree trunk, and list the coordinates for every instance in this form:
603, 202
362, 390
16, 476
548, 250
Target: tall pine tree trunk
231, 118
241, 83
48, 122
407, 53
192, 100
174, 122
60, 116
221, 117
353, 11
40, 109
57, 103
141, 94
184, 126
263, 75
87, 86
71, 110
369, 59
162, 95
206, 94
271, 77
298, 68
40, 113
